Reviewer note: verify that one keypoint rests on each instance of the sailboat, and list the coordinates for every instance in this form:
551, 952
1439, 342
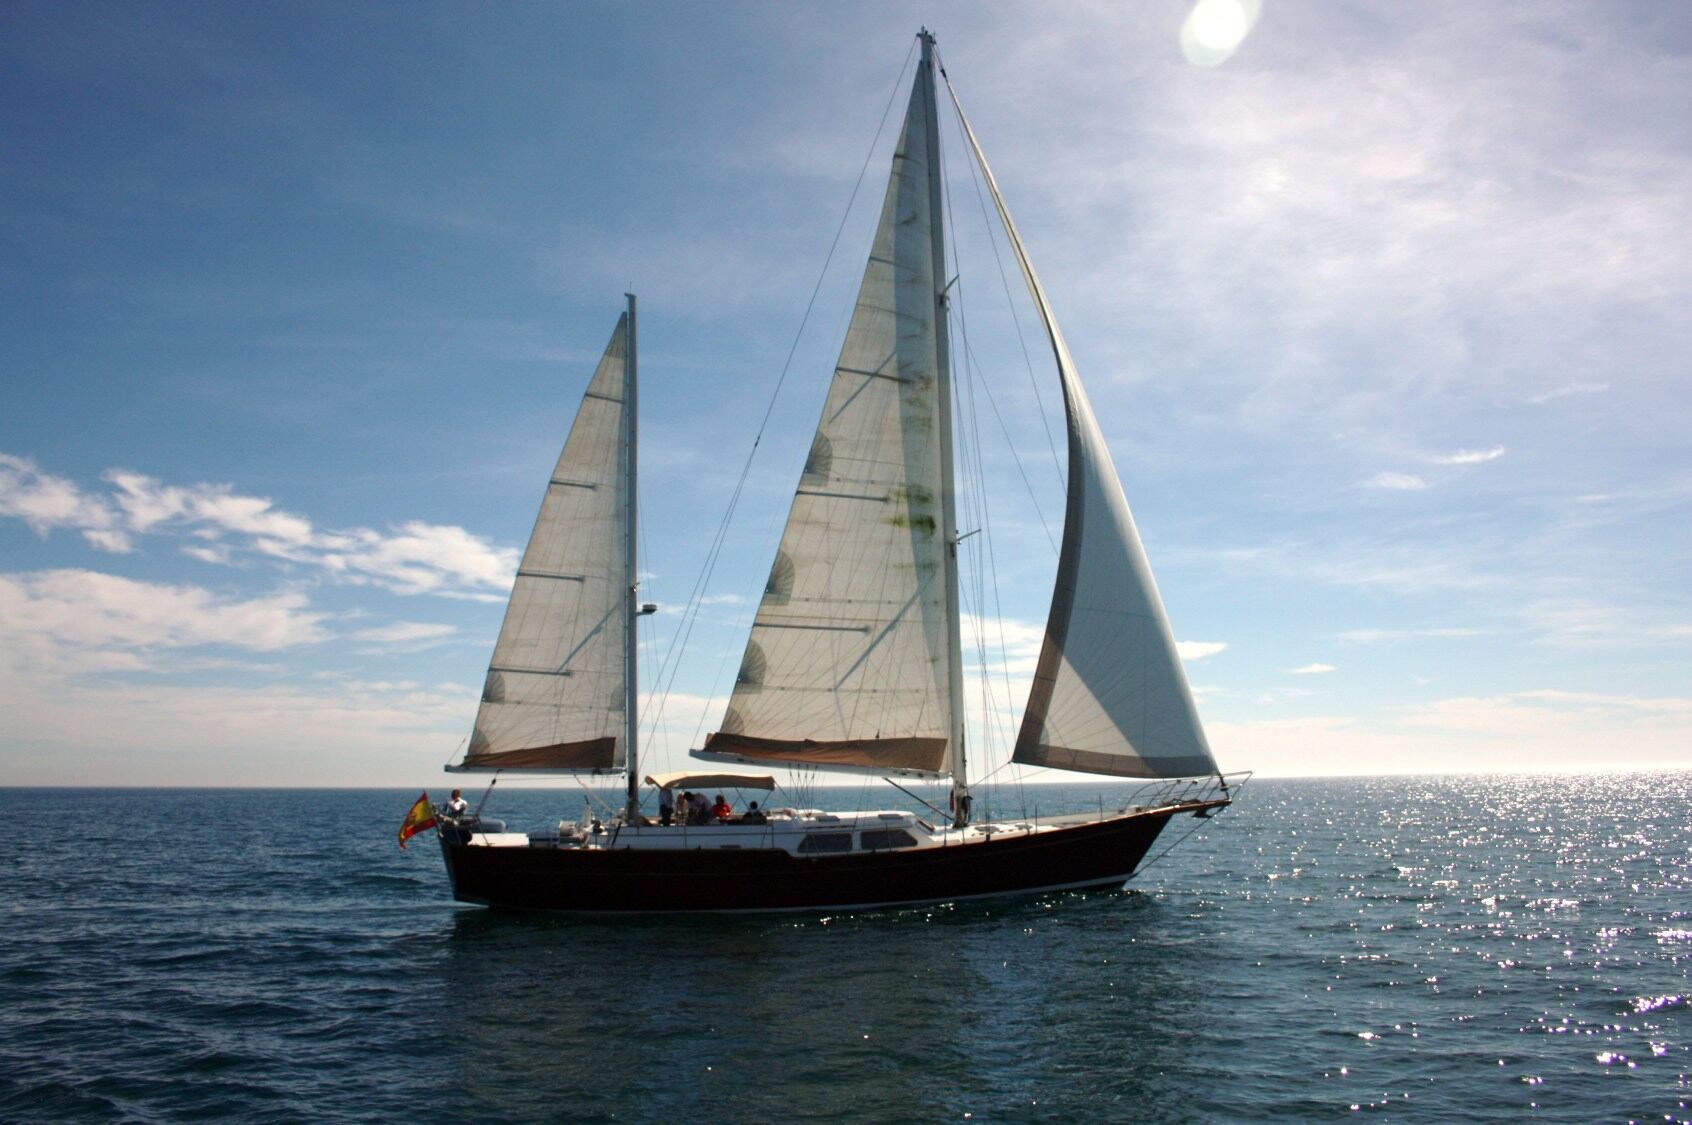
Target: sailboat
854, 660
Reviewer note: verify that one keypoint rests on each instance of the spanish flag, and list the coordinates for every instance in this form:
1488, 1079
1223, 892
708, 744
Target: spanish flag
421, 816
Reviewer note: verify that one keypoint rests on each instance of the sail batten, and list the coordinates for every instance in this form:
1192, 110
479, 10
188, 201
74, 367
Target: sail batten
556, 692
847, 662
1109, 693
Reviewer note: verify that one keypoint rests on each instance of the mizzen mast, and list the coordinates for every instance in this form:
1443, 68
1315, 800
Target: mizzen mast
633, 610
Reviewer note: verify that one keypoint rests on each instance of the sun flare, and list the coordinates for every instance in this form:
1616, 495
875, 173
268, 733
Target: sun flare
1215, 29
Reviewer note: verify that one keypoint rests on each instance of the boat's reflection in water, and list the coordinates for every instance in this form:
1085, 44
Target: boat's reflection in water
976, 1008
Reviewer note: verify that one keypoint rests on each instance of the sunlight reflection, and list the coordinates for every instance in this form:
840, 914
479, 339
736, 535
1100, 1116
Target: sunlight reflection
1216, 28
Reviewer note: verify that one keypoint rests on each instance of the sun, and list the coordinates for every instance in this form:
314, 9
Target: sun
1215, 29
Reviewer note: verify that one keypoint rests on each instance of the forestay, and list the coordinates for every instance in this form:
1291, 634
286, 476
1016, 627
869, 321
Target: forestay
555, 696
1109, 693
847, 660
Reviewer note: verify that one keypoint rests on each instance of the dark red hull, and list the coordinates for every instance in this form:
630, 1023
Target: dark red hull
1097, 854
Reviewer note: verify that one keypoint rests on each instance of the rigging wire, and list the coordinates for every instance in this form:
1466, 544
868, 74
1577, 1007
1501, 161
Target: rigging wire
690, 615
989, 548
1027, 485
985, 557
648, 733
1004, 283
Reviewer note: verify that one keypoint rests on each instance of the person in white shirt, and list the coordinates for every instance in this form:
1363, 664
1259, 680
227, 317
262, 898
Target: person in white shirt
698, 809
457, 806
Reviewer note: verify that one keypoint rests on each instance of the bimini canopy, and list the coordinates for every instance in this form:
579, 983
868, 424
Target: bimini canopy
711, 780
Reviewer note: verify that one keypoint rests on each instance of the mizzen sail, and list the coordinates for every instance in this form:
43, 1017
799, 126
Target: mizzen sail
847, 663
556, 692
1109, 693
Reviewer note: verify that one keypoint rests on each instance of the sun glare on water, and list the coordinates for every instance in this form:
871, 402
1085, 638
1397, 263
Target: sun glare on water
1216, 28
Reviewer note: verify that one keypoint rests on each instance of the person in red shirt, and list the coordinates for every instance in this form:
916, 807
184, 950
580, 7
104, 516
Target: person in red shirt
720, 811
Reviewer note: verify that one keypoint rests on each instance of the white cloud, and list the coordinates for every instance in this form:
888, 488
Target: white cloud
1401, 482
217, 554
1310, 670
148, 504
403, 632
1471, 456
1198, 650
44, 502
412, 558
111, 541
81, 619
422, 558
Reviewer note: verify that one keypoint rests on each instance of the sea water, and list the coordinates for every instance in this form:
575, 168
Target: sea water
1500, 948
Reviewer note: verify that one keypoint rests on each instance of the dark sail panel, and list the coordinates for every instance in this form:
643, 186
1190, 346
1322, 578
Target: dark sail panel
588, 754
914, 755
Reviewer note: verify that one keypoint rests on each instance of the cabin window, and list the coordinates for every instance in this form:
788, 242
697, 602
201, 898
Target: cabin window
826, 842
886, 838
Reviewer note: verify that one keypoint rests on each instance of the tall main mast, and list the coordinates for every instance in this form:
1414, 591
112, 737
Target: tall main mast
948, 487
631, 612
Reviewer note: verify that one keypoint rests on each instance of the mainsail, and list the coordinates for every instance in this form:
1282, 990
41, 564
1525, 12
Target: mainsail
847, 664
556, 692
1109, 693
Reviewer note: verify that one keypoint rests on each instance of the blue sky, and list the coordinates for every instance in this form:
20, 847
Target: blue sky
1385, 317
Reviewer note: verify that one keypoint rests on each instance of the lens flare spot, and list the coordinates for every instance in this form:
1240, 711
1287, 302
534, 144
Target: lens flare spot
1215, 29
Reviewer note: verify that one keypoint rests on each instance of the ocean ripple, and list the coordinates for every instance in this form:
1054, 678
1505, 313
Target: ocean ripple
1415, 949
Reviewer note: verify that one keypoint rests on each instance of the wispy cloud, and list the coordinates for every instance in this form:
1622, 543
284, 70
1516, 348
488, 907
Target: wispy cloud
109, 540
45, 502
1400, 482
1568, 391
1470, 456
1310, 670
1277, 696
1383, 636
1404, 567
410, 558
1198, 650
72, 620
1568, 731
332, 730
1547, 711
403, 636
